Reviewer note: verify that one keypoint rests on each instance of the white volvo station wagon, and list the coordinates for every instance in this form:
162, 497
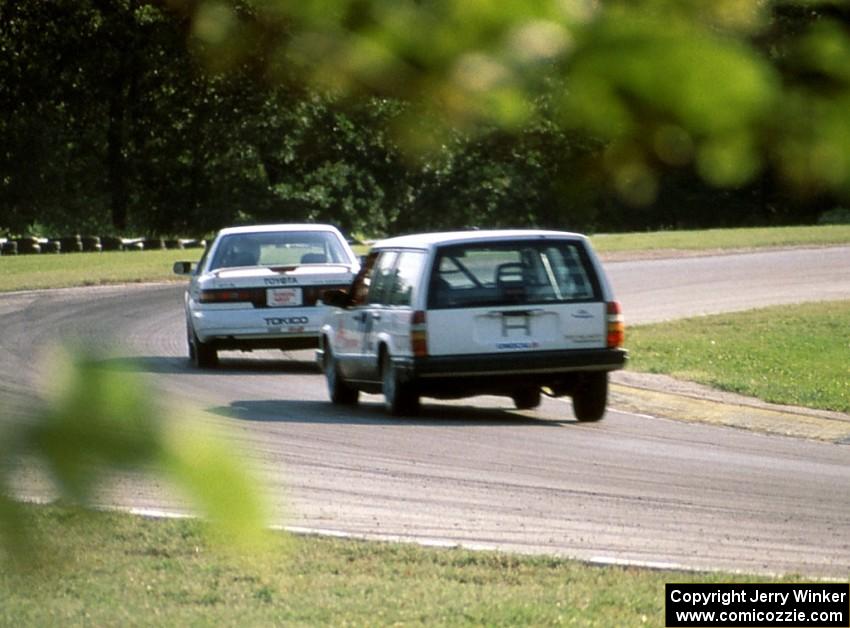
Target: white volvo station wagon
450, 315
260, 287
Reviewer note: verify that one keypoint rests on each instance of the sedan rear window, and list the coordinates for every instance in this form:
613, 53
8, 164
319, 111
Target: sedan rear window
280, 248
515, 273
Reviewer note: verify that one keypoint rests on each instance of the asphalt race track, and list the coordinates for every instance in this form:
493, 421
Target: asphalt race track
631, 488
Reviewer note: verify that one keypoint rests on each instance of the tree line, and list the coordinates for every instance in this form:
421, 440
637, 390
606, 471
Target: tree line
172, 117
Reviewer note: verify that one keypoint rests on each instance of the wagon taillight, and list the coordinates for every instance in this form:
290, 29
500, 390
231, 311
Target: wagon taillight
616, 326
418, 334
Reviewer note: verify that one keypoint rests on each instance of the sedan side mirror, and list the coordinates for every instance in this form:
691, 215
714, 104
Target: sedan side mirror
335, 298
183, 268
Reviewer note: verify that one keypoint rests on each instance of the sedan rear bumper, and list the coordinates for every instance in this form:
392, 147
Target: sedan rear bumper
259, 328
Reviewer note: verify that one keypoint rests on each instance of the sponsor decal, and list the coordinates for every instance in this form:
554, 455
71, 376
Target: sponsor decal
332, 280
508, 346
589, 338
282, 297
287, 320
279, 281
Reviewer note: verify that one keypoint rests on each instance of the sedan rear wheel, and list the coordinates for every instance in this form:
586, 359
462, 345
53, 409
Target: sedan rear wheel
590, 397
202, 354
400, 398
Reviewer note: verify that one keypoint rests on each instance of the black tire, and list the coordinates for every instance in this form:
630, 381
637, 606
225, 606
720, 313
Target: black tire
202, 354
340, 392
526, 398
590, 397
400, 398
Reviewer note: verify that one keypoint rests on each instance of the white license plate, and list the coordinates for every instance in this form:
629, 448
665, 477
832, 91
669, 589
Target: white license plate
283, 297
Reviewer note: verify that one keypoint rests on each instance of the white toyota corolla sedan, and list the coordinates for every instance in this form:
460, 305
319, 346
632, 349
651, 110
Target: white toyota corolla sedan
260, 287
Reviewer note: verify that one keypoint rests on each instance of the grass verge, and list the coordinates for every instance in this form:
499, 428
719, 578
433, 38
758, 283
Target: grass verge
720, 239
794, 355
30, 272
116, 569
27, 272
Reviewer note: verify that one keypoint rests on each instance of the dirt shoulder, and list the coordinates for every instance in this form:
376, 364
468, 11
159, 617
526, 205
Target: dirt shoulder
665, 396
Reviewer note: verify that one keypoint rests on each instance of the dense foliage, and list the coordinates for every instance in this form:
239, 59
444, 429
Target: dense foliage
168, 117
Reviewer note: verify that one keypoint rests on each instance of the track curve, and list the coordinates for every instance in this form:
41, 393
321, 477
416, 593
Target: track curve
630, 488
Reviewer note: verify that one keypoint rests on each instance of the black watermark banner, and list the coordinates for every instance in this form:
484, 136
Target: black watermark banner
758, 604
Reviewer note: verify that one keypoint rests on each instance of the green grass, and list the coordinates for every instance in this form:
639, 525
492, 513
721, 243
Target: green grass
116, 570
710, 239
787, 354
26, 272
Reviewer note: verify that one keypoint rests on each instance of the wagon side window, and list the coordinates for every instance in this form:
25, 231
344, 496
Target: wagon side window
382, 277
404, 277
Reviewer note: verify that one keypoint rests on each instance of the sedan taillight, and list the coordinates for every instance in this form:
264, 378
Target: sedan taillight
257, 296
232, 296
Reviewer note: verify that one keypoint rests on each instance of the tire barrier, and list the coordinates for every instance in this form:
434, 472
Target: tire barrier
71, 244
30, 245
153, 244
91, 244
112, 243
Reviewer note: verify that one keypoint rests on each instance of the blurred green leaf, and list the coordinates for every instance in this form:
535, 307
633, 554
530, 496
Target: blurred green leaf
814, 151
728, 160
215, 479
97, 419
826, 49
100, 418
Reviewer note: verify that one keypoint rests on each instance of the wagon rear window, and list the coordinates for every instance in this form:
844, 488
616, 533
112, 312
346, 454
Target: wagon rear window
474, 275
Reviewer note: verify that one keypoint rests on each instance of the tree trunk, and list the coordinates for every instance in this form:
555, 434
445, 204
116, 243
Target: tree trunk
116, 166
